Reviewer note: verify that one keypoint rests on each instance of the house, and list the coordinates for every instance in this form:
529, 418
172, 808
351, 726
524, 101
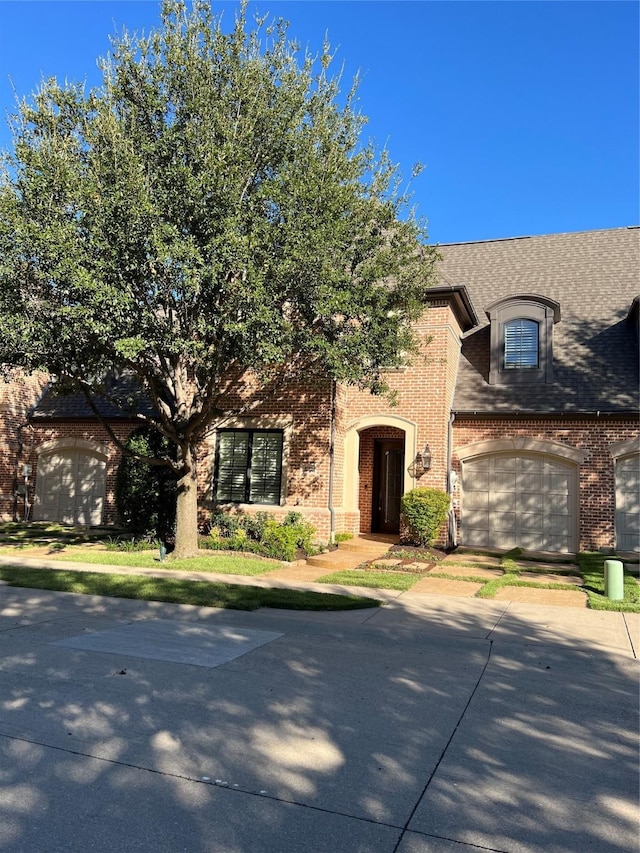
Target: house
523, 403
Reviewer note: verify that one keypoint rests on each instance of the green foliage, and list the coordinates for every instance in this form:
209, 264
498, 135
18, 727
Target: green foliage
211, 206
212, 203
423, 511
345, 536
145, 493
261, 533
131, 545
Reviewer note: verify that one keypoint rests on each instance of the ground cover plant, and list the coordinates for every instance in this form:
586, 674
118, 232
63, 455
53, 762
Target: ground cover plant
260, 533
179, 591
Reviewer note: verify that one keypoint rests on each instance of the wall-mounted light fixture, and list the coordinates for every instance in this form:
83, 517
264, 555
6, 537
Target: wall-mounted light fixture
421, 463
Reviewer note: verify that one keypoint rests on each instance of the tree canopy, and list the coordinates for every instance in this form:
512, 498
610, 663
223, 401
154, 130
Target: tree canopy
210, 207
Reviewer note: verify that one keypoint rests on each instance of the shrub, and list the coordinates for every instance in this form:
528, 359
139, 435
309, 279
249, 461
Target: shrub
146, 494
261, 533
422, 513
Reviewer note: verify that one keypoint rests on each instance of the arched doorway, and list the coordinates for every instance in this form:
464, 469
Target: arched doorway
377, 452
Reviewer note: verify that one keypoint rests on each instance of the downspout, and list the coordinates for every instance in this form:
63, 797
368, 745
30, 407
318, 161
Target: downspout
452, 529
332, 442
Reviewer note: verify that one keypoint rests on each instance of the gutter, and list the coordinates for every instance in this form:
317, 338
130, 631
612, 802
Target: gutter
520, 413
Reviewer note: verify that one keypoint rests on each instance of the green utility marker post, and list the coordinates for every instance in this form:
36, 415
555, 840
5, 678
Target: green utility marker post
613, 580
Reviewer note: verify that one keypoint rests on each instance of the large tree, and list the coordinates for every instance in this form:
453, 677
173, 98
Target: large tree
211, 208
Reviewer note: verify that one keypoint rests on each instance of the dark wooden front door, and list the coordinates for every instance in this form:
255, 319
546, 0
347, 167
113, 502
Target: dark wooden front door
388, 481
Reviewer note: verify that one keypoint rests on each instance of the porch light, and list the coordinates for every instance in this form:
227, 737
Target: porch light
421, 463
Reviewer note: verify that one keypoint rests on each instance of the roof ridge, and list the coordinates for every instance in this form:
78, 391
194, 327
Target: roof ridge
535, 236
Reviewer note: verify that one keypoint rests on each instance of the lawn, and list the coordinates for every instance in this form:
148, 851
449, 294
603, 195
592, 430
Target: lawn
179, 591
207, 561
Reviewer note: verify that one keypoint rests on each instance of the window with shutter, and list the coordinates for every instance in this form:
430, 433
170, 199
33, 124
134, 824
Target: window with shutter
248, 466
521, 344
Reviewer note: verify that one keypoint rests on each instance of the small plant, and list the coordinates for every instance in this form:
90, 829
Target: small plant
130, 545
423, 511
343, 537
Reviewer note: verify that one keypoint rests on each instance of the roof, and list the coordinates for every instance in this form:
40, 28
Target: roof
58, 405
594, 277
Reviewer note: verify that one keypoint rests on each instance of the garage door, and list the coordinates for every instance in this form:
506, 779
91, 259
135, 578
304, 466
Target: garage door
70, 488
628, 503
519, 500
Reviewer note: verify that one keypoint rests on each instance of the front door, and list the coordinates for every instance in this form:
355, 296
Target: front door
388, 481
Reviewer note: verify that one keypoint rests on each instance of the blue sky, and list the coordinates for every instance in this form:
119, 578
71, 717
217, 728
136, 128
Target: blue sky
524, 113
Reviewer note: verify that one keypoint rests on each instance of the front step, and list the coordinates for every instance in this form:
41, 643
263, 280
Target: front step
353, 552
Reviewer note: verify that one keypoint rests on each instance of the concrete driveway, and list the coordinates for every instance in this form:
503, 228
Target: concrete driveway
432, 725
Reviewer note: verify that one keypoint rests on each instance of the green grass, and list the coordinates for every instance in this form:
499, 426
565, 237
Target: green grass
227, 564
449, 577
377, 580
511, 579
178, 591
592, 568
44, 532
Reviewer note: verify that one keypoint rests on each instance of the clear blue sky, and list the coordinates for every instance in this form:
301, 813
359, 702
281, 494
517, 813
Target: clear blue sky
525, 113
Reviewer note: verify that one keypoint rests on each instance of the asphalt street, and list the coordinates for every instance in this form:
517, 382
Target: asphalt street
431, 725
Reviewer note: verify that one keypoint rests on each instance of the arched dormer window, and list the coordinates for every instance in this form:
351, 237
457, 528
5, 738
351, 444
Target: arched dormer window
522, 339
521, 342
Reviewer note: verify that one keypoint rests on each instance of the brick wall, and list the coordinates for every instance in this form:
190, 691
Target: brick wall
423, 396
593, 436
18, 392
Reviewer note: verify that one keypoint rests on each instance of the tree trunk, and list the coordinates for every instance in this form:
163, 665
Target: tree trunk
187, 506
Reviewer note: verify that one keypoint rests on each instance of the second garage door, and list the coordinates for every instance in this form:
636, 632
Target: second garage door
522, 500
70, 488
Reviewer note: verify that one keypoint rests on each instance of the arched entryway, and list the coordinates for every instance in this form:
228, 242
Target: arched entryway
377, 453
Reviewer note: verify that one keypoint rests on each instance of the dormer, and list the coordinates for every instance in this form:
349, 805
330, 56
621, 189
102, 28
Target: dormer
522, 339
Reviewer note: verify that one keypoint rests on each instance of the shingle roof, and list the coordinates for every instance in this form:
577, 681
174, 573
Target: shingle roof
594, 276
61, 406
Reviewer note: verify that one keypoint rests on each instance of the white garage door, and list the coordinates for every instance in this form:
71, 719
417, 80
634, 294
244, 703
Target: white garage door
519, 501
70, 488
628, 503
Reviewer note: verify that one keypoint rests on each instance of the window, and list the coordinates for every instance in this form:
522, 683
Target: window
520, 344
248, 466
522, 339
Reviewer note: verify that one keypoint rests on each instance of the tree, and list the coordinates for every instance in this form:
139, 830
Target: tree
146, 494
209, 209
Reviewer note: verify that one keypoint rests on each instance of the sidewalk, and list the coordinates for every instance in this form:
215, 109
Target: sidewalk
551, 615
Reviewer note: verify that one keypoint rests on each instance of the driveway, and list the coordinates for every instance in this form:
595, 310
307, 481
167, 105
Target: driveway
431, 725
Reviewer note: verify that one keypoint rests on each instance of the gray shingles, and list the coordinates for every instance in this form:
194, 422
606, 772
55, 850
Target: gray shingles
594, 275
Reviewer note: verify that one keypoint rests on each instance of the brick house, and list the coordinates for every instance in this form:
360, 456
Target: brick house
523, 404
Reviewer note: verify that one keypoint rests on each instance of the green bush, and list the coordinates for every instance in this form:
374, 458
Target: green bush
422, 513
280, 541
146, 494
261, 534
